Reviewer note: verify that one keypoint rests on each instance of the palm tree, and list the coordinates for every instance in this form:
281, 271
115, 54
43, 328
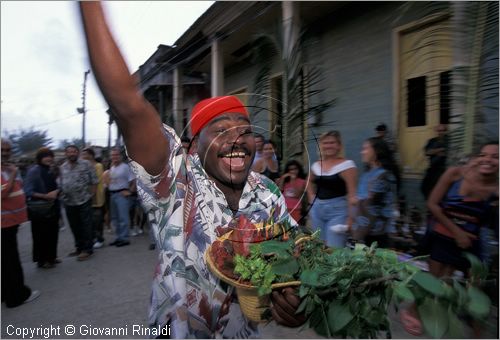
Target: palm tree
475, 83
297, 106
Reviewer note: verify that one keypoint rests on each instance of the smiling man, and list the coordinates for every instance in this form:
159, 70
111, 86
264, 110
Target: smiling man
192, 198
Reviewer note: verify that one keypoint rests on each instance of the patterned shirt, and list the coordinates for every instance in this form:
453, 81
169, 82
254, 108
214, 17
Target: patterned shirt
77, 181
185, 207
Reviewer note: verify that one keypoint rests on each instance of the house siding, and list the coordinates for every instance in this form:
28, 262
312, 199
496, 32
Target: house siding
244, 76
355, 56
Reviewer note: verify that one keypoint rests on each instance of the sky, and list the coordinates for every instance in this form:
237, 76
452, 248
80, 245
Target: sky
44, 58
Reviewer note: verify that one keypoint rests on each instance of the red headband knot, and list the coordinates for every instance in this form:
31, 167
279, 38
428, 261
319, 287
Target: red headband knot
208, 109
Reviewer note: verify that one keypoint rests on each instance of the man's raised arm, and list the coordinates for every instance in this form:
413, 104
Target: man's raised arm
137, 119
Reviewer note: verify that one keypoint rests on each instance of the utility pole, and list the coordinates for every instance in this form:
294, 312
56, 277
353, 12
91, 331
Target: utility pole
83, 109
110, 122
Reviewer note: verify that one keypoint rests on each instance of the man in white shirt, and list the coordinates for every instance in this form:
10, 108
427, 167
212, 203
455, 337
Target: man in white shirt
121, 178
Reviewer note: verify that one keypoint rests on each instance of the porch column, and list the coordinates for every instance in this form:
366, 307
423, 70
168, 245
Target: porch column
217, 85
291, 146
291, 25
177, 101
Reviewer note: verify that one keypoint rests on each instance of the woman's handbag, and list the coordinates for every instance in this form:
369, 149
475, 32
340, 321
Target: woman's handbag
40, 209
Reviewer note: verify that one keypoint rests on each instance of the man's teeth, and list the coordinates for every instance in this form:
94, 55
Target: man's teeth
235, 155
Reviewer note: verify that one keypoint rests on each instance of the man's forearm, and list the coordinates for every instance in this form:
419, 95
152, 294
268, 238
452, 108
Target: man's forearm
110, 70
137, 119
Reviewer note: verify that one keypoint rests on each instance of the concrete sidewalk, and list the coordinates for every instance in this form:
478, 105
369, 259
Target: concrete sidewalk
111, 290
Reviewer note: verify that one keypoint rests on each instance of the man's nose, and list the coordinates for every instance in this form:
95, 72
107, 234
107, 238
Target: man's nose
234, 135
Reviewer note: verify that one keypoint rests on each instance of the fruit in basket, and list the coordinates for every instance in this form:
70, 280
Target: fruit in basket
222, 254
243, 235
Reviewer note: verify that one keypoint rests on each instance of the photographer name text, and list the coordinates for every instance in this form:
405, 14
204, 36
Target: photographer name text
49, 331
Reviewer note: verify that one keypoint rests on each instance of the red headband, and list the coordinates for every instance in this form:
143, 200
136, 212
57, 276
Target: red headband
208, 109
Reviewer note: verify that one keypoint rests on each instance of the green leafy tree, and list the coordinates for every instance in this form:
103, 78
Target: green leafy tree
301, 90
29, 140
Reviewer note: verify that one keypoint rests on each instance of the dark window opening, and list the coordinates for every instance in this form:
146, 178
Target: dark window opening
416, 101
184, 119
276, 134
444, 97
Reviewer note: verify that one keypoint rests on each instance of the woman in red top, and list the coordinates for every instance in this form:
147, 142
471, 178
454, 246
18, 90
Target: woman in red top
293, 185
14, 292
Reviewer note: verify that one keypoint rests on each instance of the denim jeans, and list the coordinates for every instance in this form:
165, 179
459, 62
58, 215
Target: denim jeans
327, 213
120, 215
80, 221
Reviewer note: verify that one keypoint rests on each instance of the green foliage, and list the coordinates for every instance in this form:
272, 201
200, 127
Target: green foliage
434, 317
429, 283
478, 270
255, 269
479, 303
29, 140
301, 92
347, 292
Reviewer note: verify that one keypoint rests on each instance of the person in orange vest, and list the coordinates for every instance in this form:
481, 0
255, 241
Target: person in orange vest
14, 291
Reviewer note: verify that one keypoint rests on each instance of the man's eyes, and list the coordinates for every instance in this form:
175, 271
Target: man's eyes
240, 130
247, 130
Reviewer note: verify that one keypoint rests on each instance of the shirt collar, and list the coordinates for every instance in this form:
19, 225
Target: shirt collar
253, 185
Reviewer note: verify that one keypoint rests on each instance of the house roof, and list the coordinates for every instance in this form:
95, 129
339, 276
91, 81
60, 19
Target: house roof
235, 23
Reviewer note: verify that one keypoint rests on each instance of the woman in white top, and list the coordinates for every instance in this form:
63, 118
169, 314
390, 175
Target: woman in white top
332, 191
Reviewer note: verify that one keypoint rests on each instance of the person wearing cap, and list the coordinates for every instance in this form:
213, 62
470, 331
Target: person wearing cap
190, 198
98, 200
382, 133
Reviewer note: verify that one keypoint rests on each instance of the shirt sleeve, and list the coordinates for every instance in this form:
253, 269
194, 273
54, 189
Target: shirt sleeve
157, 191
29, 183
429, 145
348, 164
93, 175
281, 211
131, 175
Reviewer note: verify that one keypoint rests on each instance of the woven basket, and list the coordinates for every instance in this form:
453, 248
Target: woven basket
252, 305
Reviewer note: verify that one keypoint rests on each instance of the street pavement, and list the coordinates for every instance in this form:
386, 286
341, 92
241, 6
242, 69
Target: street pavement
109, 291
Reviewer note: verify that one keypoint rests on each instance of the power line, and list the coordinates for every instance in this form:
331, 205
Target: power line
55, 121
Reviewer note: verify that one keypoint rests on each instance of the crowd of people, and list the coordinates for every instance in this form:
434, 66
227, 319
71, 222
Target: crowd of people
81, 192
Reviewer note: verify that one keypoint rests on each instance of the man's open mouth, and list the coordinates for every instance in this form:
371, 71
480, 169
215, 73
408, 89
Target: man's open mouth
234, 160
